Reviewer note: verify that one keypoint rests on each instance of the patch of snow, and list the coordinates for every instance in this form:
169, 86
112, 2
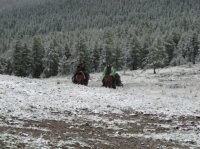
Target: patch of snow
190, 138
13, 140
172, 91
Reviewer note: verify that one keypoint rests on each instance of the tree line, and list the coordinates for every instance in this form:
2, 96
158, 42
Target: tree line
130, 33
37, 60
42, 17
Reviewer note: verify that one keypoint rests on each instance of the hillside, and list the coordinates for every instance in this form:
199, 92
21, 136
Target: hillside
126, 33
67, 15
153, 111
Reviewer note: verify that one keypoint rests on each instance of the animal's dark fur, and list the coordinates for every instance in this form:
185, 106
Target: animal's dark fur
108, 81
80, 78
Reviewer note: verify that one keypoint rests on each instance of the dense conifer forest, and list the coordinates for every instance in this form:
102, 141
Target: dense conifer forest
43, 38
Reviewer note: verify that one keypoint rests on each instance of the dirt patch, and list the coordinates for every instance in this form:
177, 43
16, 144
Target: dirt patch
104, 131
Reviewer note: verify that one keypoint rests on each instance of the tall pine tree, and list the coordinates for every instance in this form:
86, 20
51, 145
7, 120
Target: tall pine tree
134, 55
107, 55
118, 58
157, 55
195, 50
38, 56
170, 47
65, 61
17, 59
82, 52
51, 61
96, 57
26, 61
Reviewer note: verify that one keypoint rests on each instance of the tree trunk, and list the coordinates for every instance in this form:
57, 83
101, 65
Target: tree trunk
193, 61
154, 70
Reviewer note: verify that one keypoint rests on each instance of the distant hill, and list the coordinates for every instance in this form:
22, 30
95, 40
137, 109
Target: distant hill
31, 17
13, 4
131, 34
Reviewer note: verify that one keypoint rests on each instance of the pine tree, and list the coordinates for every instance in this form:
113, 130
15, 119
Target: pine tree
187, 49
102, 61
96, 57
38, 56
9, 67
195, 49
67, 52
107, 53
82, 52
108, 47
176, 38
170, 47
157, 55
26, 61
134, 55
119, 58
65, 62
64, 66
51, 61
17, 59
3, 66
180, 53
144, 52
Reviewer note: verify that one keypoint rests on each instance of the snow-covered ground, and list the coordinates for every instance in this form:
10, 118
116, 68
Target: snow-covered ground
173, 92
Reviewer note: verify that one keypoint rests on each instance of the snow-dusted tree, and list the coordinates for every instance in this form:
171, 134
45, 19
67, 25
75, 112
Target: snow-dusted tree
51, 61
1, 66
102, 61
67, 51
198, 55
26, 61
82, 52
195, 50
144, 51
176, 37
22, 60
37, 56
9, 67
64, 66
17, 59
118, 58
5, 66
65, 61
108, 47
96, 57
134, 53
107, 52
180, 53
170, 47
187, 49
157, 55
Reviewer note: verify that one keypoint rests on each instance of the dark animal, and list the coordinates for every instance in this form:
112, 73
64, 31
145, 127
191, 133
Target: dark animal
118, 80
80, 78
108, 81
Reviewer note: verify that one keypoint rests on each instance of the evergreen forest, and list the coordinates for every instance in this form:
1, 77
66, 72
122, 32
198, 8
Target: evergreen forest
44, 38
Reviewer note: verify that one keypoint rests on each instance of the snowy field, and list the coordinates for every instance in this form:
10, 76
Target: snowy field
151, 111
